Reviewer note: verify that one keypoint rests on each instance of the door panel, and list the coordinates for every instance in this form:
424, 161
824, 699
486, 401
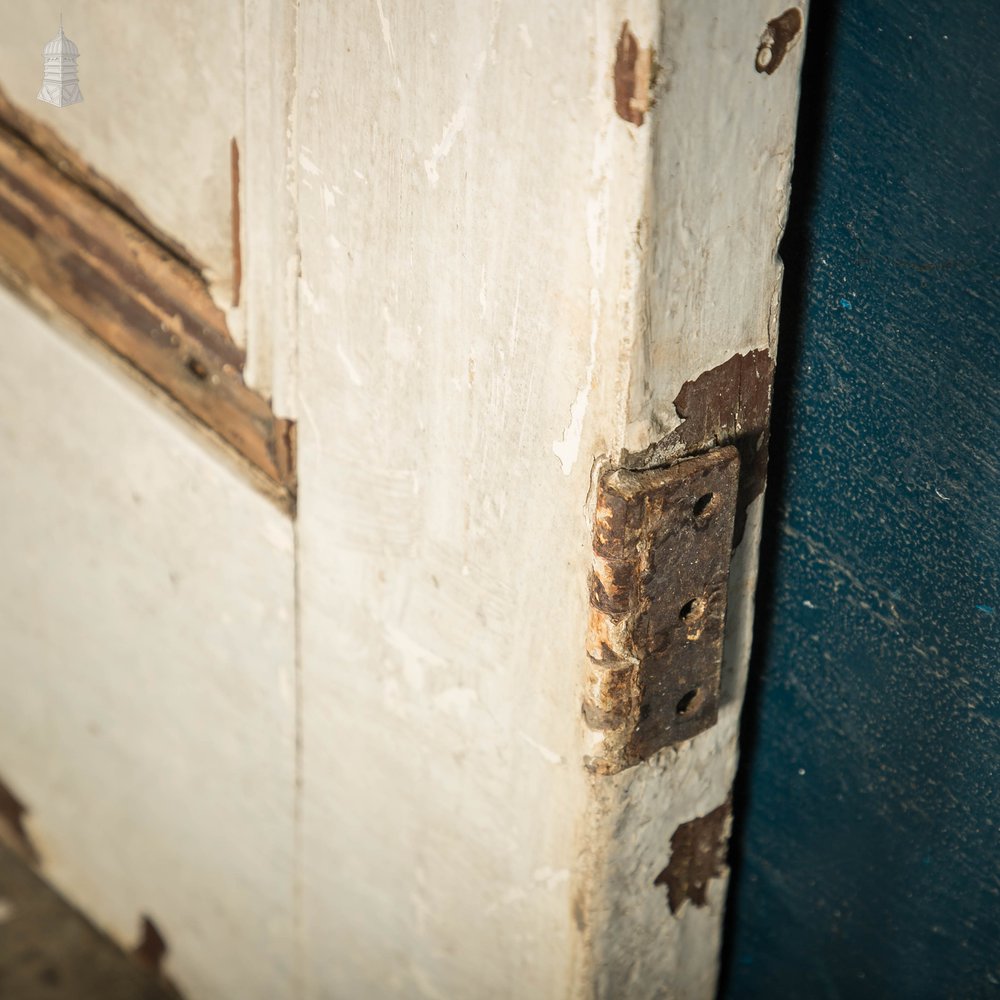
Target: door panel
146, 642
162, 89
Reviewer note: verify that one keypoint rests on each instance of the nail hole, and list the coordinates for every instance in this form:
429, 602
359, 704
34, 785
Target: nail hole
689, 702
197, 369
693, 610
702, 504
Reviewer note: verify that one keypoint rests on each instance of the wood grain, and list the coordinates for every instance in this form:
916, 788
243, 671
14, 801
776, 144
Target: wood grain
64, 243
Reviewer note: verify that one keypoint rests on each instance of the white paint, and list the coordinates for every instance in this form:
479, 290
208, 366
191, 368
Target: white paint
307, 165
550, 755
568, 447
387, 38
212, 72
184, 66
454, 127
445, 281
709, 288
442, 626
146, 654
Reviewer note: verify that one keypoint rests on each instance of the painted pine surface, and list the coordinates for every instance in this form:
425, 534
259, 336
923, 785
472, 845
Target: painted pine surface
497, 283
869, 851
162, 97
168, 89
147, 658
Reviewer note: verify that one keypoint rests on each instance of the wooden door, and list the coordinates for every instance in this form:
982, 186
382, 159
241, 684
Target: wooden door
332, 724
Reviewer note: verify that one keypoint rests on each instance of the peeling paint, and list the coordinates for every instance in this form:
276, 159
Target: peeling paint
387, 38
459, 119
152, 947
698, 852
454, 128
777, 39
234, 214
728, 404
633, 74
568, 448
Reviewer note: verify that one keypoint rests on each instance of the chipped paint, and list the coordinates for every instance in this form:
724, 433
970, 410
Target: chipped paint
234, 213
387, 38
568, 447
152, 947
778, 37
460, 118
633, 75
307, 165
728, 404
698, 852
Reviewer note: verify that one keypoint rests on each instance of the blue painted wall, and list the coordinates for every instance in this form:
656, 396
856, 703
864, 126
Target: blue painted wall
867, 850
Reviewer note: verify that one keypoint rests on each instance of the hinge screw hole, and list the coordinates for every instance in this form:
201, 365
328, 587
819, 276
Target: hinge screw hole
703, 505
693, 610
689, 702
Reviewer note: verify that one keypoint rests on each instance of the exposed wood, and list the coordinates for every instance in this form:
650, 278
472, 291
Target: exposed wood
702, 351
60, 241
165, 94
46, 141
168, 87
518, 244
48, 951
516, 250
234, 212
698, 851
466, 206
13, 834
147, 724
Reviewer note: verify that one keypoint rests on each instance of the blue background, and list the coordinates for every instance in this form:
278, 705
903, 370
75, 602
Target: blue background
866, 859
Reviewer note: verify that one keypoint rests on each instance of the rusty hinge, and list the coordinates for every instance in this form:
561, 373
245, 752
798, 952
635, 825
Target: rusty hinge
662, 547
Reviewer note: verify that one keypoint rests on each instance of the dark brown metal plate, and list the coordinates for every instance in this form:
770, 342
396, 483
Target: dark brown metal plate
662, 547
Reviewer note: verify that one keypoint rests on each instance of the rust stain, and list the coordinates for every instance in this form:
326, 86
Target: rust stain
658, 593
12, 831
698, 852
777, 39
728, 404
634, 69
234, 216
